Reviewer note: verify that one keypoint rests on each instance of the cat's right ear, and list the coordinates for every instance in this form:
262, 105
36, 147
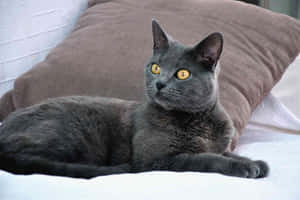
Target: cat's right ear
160, 38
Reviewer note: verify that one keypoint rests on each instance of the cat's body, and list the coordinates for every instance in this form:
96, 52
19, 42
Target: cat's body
181, 127
106, 132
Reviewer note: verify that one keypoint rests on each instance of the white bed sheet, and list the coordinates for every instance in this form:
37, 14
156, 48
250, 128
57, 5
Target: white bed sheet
280, 150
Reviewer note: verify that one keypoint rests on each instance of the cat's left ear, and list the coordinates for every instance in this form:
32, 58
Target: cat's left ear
209, 50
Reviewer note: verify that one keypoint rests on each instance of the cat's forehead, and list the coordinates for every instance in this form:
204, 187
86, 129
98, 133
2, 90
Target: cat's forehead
175, 54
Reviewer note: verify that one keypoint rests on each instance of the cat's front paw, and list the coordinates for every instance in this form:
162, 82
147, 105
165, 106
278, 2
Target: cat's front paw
250, 169
264, 168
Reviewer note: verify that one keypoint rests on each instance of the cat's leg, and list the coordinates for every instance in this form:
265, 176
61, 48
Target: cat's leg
263, 165
26, 164
209, 162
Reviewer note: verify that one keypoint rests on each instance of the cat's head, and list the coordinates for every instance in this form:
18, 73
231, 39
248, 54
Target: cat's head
180, 77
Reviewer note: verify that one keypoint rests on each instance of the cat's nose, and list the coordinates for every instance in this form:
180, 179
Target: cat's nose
160, 85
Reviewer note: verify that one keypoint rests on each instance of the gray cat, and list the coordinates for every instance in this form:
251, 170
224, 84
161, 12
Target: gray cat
181, 127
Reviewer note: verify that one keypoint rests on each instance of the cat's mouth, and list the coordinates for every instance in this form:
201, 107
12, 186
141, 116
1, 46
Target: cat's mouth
160, 95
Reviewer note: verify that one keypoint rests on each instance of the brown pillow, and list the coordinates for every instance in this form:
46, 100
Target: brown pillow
106, 52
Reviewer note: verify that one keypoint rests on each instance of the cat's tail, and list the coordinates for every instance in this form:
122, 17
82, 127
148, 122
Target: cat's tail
24, 164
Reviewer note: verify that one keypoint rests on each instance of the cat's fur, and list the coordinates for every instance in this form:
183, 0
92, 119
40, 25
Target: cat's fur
181, 127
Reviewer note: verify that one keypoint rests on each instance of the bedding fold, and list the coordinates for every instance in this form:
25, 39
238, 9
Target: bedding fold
6, 104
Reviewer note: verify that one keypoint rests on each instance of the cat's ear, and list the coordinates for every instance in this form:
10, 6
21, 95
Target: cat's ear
209, 50
160, 38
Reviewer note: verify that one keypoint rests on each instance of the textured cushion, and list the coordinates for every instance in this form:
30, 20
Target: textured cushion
106, 53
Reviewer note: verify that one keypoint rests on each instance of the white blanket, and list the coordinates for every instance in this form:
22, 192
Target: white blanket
280, 150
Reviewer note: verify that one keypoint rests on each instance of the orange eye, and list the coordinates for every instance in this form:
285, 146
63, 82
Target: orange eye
183, 74
155, 69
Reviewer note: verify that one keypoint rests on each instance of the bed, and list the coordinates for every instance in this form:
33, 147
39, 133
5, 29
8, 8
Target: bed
273, 133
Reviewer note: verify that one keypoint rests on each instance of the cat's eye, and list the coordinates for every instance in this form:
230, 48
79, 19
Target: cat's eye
155, 69
182, 74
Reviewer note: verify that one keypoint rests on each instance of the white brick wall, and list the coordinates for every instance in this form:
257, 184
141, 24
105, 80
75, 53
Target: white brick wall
29, 29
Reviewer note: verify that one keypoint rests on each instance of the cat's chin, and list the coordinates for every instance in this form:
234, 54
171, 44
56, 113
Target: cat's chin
162, 104
160, 101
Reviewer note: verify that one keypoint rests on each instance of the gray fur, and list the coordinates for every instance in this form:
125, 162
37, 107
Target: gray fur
181, 127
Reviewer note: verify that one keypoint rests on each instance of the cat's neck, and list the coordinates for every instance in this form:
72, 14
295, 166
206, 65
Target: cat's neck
158, 114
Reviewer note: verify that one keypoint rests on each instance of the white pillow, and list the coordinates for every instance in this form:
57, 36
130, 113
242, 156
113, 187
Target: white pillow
288, 88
